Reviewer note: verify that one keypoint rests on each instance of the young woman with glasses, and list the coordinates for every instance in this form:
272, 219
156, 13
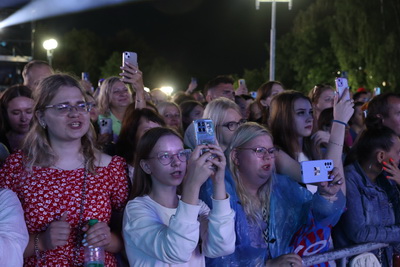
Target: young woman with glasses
63, 181
166, 226
269, 207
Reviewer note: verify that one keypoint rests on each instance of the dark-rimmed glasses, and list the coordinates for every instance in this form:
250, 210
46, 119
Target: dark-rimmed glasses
166, 158
64, 109
233, 125
262, 152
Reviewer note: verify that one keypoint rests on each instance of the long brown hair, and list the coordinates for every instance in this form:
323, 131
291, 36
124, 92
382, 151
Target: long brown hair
127, 143
142, 181
281, 124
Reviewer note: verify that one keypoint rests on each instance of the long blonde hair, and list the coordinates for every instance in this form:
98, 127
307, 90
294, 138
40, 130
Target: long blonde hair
252, 207
104, 97
37, 148
217, 110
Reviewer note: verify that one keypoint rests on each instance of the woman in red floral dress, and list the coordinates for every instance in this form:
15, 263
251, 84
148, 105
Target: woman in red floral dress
63, 181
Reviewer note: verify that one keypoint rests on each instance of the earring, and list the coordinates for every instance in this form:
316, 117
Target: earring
43, 124
370, 166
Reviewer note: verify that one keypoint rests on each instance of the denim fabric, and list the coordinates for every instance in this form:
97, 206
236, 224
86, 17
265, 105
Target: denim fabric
372, 213
289, 205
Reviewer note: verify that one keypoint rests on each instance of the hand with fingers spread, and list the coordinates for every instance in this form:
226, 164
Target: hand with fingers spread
57, 233
287, 260
97, 235
330, 189
393, 170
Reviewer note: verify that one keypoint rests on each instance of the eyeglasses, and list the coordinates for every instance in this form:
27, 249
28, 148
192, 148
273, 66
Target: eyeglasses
166, 158
64, 109
262, 152
233, 125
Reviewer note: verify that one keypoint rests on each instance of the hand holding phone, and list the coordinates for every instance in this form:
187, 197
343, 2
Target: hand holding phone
315, 171
341, 85
242, 89
205, 133
130, 57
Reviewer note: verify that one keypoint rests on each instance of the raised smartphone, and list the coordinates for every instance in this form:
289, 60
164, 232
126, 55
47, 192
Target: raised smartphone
315, 171
341, 85
130, 57
204, 131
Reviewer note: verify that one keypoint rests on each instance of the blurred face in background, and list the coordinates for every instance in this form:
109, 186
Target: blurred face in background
36, 74
120, 95
196, 113
392, 120
172, 117
276, 89
325, 100
19, 113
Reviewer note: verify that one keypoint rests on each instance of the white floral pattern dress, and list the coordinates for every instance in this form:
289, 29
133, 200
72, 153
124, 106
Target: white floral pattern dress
46, 193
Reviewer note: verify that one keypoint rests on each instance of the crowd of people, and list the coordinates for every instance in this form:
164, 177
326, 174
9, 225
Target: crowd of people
130, 159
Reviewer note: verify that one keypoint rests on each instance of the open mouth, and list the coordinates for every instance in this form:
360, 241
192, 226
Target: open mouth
266, 167
76, 124
176, 174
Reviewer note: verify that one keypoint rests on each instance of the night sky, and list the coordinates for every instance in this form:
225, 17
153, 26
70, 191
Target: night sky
208, 37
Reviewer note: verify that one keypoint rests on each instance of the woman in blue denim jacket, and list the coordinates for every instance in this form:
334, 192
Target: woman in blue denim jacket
373, 199
269, 208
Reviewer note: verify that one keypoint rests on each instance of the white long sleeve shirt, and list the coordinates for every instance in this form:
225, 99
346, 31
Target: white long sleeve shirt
13, 233
158, 236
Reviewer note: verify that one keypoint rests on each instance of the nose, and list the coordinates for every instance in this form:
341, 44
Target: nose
73, 111
23, 117
175, 161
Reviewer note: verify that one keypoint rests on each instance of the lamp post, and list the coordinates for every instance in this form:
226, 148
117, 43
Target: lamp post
50, 45
272, 34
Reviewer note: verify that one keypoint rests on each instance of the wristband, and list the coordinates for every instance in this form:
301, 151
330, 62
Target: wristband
340, 122
333, 143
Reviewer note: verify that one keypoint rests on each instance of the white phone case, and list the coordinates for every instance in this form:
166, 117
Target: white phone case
130, 57
315, 171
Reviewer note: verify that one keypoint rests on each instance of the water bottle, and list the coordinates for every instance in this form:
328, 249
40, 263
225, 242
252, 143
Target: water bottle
94, 256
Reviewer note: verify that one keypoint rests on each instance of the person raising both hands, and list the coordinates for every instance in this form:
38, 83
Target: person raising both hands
162, 227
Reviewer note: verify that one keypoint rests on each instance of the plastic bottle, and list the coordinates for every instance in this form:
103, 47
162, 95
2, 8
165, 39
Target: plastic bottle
94, 256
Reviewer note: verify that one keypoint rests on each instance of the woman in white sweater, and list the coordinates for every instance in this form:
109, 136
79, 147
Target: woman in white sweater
162, 227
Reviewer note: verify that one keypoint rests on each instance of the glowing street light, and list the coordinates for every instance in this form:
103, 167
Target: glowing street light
50, 45
272, 34
167, 90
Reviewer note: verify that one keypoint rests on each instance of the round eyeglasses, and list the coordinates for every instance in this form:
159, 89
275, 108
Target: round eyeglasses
262, 152
64, 109
233, 125
166, 158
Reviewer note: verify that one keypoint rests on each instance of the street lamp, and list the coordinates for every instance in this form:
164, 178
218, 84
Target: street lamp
50, 45
273, 34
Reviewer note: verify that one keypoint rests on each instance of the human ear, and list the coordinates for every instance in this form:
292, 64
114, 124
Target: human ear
380, 156
264, 102
234, 157
145, 166
40, 117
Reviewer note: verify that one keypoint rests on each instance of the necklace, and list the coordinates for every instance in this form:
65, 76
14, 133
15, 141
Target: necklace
78, 238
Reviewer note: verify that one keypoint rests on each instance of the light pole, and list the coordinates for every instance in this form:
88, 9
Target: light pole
272, 34
50, 45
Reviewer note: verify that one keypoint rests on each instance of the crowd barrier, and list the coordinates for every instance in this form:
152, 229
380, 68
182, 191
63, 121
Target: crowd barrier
341, 254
